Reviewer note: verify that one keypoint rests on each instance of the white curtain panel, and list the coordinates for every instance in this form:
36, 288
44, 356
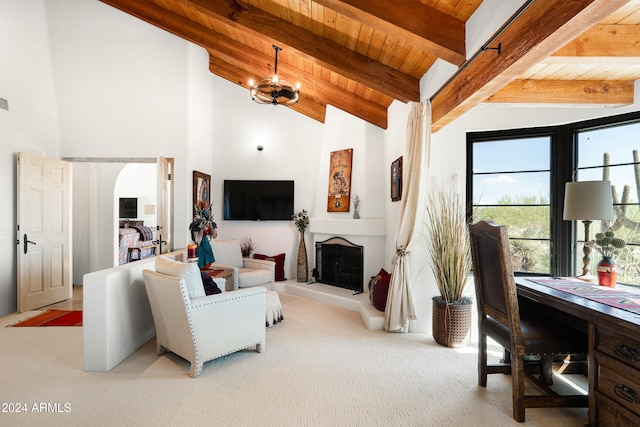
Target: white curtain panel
400, 308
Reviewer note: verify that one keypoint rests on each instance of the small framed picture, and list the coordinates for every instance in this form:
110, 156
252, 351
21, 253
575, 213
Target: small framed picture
396, 179
339, 194
201, 190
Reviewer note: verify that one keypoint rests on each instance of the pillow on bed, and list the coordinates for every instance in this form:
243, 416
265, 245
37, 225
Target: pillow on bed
188, 271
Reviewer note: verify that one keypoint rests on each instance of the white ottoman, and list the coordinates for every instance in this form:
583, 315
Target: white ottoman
274, 309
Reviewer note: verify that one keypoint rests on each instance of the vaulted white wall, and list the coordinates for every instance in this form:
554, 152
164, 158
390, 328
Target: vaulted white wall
291, 151
30, 125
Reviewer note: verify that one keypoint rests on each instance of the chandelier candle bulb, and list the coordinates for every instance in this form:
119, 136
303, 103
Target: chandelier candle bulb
274, 91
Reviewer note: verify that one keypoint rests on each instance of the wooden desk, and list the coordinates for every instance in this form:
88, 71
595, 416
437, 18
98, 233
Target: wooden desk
614, 352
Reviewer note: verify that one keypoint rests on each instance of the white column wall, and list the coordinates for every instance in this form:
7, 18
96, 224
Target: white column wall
343, 131
291, 151
31, 123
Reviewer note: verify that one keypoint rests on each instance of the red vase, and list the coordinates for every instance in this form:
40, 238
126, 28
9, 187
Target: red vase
607, 272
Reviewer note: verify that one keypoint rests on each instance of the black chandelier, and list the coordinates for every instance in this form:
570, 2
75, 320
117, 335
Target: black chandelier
274, 90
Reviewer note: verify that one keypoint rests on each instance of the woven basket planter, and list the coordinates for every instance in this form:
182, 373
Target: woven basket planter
451, 323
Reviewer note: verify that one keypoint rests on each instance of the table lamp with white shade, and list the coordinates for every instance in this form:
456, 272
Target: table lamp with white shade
588, 201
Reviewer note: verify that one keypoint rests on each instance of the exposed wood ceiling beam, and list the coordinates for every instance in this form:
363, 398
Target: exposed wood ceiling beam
582, 71
412, 22
253, 61
204, 37
171, 22
566, 92
604, 41
257, 67
326, 53
602, 44
528, 40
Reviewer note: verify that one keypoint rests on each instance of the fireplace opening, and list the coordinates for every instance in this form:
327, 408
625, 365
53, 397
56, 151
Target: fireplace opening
340, 263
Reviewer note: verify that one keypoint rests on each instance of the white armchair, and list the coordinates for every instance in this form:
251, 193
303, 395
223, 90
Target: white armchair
204, 328
247, 272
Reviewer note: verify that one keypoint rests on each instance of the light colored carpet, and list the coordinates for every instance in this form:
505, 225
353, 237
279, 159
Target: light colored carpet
322, 367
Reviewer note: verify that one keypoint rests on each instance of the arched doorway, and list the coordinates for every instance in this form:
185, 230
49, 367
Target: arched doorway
135, 200
95, 208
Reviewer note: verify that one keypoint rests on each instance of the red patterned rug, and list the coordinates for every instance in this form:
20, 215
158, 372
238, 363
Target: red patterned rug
54, 318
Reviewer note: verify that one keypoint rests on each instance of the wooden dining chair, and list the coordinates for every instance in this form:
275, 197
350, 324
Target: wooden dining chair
526, 337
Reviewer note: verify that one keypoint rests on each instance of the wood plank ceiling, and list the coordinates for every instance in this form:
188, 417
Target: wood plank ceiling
360, 55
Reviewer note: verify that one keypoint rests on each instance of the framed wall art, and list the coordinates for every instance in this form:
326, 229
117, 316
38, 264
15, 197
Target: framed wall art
396, 179
201, 189
339, 180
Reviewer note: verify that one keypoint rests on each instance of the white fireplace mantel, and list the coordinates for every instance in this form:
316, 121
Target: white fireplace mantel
348, 227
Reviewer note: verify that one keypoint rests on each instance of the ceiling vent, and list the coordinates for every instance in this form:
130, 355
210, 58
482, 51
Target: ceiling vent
4, 104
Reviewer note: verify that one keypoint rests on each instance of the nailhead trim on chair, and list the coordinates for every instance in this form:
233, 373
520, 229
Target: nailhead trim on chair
218, 302
200, 364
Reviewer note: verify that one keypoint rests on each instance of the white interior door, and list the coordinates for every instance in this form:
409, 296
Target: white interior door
44, 231
165, 200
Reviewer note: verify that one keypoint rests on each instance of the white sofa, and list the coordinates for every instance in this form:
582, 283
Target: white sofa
247, 272
207, 327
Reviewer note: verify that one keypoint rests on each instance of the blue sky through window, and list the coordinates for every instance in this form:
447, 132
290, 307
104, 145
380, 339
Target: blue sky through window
619, 142
501, 157
530, 154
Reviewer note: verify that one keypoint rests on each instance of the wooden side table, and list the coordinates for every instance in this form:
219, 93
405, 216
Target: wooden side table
226, 275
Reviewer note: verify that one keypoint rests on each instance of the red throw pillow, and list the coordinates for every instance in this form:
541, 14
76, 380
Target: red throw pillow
373, 281
381, 290
279, 260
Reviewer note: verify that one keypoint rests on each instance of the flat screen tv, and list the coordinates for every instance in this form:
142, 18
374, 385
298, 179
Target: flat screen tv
258, 200
128, 208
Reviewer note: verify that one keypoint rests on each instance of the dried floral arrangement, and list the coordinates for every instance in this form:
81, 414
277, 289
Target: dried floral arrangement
247, 246
301, 220
203, 223
447, 241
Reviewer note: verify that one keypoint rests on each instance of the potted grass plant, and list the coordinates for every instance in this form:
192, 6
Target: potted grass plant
448, 251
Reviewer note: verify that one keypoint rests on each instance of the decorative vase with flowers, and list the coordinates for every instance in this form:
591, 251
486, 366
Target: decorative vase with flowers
202, 228
608, 245
301, 221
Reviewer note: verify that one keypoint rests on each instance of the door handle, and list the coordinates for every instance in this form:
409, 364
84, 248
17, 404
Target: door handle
26, 243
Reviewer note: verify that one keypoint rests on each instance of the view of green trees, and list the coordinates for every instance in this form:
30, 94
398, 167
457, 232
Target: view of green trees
528, 221
513, 173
